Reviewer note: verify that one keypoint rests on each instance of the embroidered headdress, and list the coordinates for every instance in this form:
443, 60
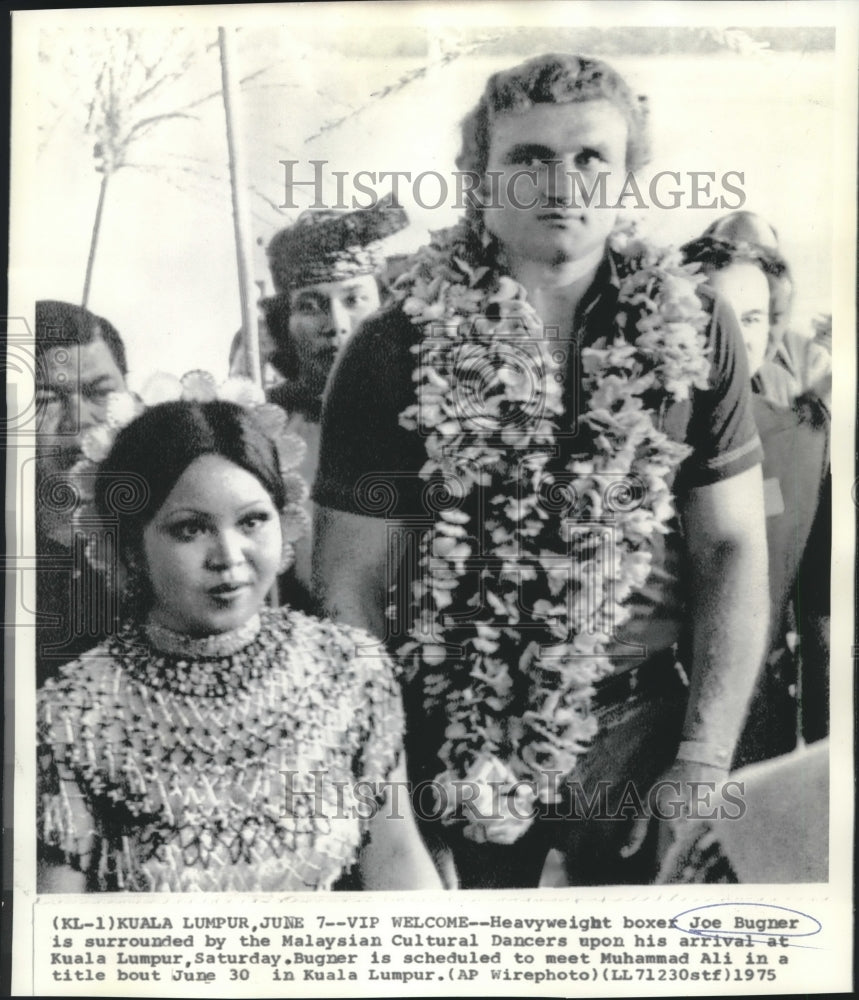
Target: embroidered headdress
326, 245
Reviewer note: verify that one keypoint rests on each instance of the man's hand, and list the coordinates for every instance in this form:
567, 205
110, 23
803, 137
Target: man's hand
686, 792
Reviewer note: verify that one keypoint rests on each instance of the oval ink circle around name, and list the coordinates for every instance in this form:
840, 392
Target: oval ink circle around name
756, 920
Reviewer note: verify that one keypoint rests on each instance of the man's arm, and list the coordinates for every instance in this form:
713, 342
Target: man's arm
364, 450
726, 542
352, 554
351, 575
395, 856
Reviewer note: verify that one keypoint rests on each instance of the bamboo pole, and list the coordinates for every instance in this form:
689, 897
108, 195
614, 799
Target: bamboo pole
241, 213
241, 224
93, 243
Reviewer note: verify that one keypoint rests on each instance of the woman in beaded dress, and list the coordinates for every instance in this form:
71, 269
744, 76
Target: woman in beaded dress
214, 743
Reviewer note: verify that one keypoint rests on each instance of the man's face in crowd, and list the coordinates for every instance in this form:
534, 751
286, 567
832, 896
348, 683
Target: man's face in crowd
781, 298
323, 316
746, 289
550, 222
72, 387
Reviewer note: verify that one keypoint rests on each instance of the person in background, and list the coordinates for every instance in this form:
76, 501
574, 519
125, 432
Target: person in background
80, 360
185, 752
795, 365
325, 271
793, 692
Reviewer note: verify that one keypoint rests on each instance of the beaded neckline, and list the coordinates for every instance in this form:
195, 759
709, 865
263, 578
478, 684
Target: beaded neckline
211, 667
171, 791
165, 640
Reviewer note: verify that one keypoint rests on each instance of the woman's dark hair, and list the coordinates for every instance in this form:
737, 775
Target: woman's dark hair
151, 453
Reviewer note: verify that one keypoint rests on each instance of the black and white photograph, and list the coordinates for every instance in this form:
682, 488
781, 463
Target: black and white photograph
431, 499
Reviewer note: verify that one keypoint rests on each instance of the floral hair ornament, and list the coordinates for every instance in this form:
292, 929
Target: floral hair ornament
122, 408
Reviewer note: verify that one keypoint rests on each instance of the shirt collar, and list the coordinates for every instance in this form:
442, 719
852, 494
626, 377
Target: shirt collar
599, 303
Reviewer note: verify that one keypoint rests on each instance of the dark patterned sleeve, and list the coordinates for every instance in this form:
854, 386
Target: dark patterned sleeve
64, 826
363, 448
380, 710
722, 427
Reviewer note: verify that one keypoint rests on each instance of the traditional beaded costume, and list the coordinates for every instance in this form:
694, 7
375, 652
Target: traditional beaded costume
246, 761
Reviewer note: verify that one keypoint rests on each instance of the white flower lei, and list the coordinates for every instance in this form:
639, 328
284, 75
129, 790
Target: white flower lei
526, 643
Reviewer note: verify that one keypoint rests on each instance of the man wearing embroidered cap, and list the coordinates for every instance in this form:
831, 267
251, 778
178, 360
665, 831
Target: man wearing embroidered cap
502, 451
324, 271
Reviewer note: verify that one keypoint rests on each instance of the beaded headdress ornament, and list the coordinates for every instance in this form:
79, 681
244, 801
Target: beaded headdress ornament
194, 387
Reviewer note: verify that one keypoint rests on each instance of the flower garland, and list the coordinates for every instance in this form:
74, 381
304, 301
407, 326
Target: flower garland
521, 582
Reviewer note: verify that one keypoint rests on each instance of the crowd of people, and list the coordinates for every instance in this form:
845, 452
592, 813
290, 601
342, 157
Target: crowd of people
526, 520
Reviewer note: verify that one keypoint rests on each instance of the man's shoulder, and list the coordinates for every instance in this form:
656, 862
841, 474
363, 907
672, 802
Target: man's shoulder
810, 362
721, 426
724, 337
722, 320
804, 424
380, 351
388, 330
369, 388
610, 274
